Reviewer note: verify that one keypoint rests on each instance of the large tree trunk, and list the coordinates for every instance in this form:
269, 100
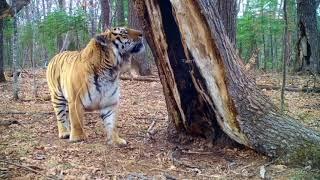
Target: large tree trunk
308, 49
2, 78
228, 13
139, 62
205, 86
105, 13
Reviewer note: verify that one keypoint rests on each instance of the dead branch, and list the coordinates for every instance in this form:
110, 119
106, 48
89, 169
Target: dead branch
26, 168
8, 122
151, 126
292, 89
155, 118
196, 152
21, 112
146, 79
31, 113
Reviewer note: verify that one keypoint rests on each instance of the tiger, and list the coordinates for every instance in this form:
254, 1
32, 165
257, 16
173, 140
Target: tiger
88, 80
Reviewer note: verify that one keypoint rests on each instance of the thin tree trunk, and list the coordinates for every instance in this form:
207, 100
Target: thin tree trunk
33, 63
120, 21
2, 77
92, 19
264, 53
66, 42
271, 47
43, 8
139, 62
15, 54
105, 13
70, 7
61, 4
30, 46
205, 87
286, 54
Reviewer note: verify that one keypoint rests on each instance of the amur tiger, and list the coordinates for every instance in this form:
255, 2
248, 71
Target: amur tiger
88, 80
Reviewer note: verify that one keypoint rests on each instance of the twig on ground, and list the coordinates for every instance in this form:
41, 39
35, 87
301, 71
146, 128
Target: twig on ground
146, 79
177, 162
150, 131
41, 113
151, 127
9, 122
292, 89
196, 152
22, 112
26, 168
155, 118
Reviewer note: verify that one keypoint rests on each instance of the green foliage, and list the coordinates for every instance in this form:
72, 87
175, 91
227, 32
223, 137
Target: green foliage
26, 35
306, 156
261, 26
8, 30
58, 23
303, 174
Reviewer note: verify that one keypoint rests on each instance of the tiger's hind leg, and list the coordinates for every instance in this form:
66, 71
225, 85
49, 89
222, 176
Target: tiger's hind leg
109, 117
60, 107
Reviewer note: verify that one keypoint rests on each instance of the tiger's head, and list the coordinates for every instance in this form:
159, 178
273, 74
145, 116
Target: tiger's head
125, 40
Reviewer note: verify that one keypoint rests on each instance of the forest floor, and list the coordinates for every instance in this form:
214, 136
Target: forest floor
30, 147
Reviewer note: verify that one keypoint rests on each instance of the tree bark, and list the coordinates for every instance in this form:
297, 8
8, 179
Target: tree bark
228, 13
6, 10
15, 53
92, 19
205, 86
286, 55
120, 21
139, 62
105, 13
2, 77
62, 7
308, 49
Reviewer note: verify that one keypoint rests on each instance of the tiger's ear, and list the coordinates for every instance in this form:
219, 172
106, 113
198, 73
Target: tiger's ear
102, 40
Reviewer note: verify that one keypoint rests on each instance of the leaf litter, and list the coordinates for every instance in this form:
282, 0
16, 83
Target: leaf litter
33, 142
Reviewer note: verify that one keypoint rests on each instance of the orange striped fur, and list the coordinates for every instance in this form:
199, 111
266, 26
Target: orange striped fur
88, 80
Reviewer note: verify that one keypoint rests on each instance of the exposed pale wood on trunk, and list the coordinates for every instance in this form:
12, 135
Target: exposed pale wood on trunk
205, 84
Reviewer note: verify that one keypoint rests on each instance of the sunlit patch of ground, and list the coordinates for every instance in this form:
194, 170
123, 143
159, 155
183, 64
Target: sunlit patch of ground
32, 146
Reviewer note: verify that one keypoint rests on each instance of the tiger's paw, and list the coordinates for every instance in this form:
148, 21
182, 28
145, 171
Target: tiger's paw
77, 138
118, 142
64, 135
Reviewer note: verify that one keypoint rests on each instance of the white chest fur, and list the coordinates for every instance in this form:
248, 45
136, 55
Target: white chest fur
103, 91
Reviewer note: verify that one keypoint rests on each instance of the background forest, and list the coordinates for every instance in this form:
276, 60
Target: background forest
177, 92
47, 27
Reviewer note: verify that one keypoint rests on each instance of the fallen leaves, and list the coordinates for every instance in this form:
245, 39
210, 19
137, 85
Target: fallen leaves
143, 121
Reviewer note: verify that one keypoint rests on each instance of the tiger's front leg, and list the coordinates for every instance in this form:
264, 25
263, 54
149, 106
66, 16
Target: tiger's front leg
76, 113
109, 117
